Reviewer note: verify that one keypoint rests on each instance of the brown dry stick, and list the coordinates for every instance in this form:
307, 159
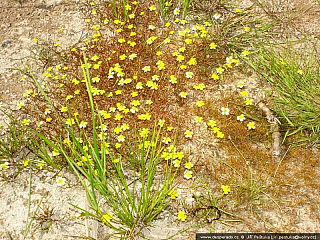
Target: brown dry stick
276, 136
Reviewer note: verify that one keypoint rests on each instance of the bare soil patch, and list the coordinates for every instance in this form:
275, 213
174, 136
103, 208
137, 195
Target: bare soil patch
297, 196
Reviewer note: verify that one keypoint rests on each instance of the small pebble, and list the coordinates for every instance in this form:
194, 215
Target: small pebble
5, 43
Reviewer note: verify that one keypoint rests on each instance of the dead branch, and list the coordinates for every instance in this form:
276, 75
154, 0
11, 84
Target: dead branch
276, 136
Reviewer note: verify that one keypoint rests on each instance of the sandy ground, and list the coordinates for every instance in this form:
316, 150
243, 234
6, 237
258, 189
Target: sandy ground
19, 24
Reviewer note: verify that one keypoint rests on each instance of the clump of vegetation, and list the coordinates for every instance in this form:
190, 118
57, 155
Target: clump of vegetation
294, 77
118, 108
